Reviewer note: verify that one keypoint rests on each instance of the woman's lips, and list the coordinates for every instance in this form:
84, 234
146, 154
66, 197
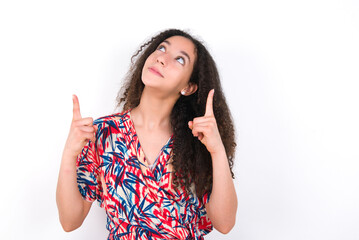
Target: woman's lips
155, 71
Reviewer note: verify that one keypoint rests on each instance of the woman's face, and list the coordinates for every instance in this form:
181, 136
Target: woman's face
169, 67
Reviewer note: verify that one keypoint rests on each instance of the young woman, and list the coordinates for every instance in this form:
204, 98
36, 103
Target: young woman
161, 168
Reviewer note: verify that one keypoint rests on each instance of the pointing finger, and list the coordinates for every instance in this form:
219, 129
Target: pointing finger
209, 105
76, 108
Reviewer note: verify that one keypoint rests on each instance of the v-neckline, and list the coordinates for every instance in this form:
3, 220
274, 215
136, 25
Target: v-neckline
146, 162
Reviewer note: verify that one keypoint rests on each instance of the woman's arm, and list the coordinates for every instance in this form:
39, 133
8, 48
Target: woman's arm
222, 206
73, 209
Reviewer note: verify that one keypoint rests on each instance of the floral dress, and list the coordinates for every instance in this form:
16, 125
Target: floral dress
140, 202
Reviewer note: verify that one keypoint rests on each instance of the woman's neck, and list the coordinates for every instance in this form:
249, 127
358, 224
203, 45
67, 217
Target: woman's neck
154, 111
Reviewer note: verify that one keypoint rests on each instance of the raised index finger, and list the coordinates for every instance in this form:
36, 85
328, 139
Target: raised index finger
76, 110
209, 104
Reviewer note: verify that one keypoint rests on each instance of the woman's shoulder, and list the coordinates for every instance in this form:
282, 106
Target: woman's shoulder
114, 118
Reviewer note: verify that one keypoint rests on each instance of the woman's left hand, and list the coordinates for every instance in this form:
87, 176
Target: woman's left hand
205, 128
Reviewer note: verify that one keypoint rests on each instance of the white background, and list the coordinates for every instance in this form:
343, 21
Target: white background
289, 71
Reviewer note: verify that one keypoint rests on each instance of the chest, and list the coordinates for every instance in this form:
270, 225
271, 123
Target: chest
152, 143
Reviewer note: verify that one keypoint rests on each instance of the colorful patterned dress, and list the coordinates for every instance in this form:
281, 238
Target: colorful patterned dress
140, 203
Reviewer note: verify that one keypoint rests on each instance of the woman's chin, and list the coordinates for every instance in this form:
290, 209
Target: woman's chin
151, 82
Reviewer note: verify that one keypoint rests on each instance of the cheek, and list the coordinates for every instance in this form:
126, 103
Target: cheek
146, 65
186, 75
178, 73
147, 61
182, 77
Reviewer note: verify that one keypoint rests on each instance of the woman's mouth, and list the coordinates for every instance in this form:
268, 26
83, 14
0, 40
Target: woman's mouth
155, 71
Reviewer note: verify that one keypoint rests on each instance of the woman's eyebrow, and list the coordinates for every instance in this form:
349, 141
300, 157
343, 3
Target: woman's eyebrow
183, 52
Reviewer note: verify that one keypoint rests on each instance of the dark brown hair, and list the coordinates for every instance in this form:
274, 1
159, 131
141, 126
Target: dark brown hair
192, 162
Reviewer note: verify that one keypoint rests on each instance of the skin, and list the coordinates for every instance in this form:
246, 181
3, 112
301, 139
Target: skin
71, 206
166, 74
222, 207
152, 116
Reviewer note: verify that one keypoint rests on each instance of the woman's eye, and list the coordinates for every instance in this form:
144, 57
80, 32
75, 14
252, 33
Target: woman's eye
161, 48
180, 60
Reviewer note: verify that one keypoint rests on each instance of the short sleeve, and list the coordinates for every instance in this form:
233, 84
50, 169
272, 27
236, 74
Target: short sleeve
205, 197
88, 179
203, 223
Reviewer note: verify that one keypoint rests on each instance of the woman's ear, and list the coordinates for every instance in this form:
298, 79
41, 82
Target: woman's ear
190, 89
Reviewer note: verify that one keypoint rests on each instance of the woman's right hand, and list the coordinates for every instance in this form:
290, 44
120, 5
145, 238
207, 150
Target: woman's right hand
81, 131
73, 209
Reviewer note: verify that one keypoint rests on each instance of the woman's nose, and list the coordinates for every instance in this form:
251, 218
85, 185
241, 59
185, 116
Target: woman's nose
162, 59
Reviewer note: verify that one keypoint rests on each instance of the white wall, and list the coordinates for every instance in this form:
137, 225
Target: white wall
289, 71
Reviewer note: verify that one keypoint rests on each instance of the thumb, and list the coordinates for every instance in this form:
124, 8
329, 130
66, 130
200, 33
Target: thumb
190, 124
